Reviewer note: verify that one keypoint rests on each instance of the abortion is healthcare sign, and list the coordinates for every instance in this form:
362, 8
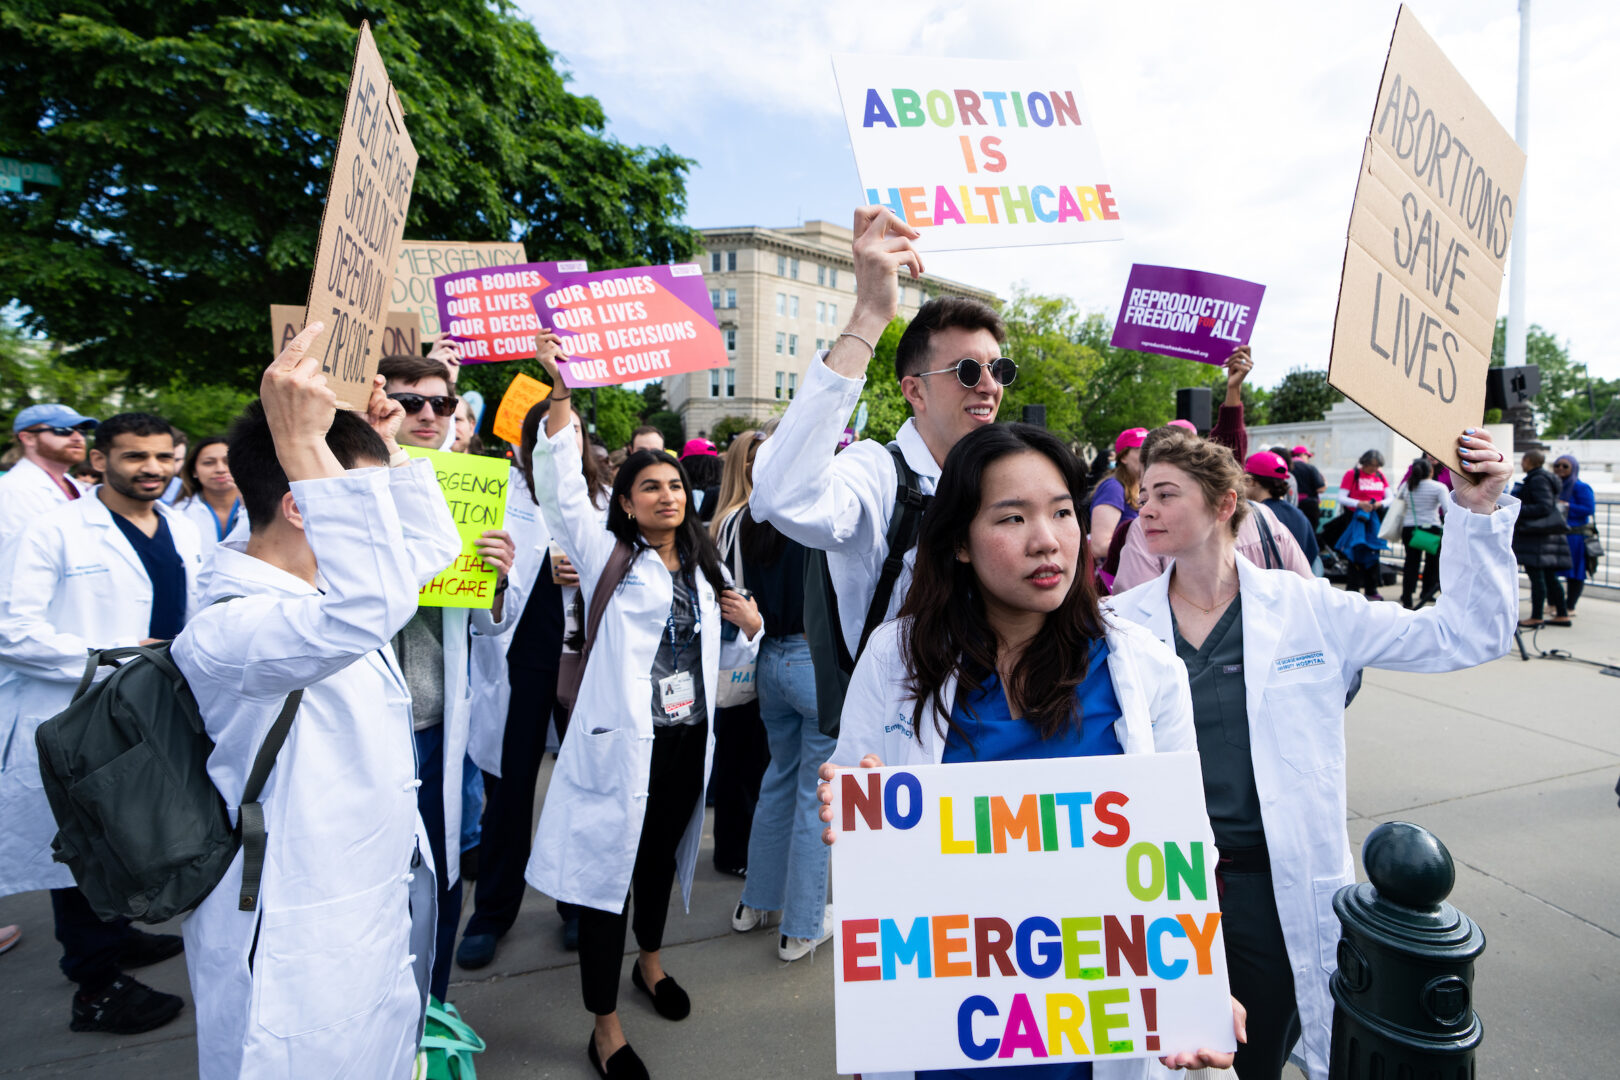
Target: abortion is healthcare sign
620, 326
1025, 912
486, 310
1186, 313
978, 153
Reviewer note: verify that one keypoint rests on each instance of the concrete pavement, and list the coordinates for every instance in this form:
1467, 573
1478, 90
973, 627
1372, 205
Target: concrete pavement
1513, 765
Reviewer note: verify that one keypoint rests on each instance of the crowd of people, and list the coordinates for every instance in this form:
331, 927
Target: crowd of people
738, 624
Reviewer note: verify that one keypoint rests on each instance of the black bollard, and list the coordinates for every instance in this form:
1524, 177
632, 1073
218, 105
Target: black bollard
1403, 993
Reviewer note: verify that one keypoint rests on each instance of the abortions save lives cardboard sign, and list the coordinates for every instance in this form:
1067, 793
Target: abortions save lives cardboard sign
1426, 250
1020, 912
978, 153
420, 261
1186, 313
367, 196
401, 336
522, 394
488, 311
620, 326
475, 488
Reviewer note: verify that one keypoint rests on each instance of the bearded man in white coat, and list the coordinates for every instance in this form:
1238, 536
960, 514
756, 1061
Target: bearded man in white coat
325, 976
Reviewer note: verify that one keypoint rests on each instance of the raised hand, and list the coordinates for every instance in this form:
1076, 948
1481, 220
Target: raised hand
298, 407
384, 414
1484, 464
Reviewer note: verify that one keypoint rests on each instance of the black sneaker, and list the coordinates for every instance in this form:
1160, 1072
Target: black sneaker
140, 948
125, 1007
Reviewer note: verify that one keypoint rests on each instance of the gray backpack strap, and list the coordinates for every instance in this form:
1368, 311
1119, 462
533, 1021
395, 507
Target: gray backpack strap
1268, 542
251, 816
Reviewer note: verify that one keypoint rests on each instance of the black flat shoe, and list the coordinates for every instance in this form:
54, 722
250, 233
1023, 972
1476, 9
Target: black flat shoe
623, 1065
667, 997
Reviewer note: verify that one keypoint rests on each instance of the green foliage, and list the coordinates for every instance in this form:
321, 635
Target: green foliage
727, 427
194, 143
618, 413
653, 400
1046, 336
198, 410
671, 425
1562, 404
886, 406
32, 372
1129, 389
1302, 396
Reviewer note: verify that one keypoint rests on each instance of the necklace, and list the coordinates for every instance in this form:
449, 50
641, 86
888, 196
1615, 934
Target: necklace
1200, 607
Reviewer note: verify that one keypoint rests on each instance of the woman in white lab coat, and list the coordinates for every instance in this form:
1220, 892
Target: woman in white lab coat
1269, 655
209, 495
624, 811
1000, 651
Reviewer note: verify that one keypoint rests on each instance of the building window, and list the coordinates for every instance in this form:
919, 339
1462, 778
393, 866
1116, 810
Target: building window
731, 341
714, 262
793, 384
821, 275
793, 344
793, 269
832, 277
793, 306
902, 296
832, 313
781, 266
821, 343
778, 386
821, 311
714, 382
714, 297
781, 342
781, 303
731, 382
731, 260
731, 298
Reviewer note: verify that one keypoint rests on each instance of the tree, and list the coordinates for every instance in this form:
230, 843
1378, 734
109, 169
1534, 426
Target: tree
1302, 396
1129, 389
1045, 336
653, 400
618, 413
671, 426
886, 406
1562, 404
193, 142
728, 427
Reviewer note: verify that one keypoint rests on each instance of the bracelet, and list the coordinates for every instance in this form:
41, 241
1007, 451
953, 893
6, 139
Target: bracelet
562, 397
502, 586
398, 458
863, 341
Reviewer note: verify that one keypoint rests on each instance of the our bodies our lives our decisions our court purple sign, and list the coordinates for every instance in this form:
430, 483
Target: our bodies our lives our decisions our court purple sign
1186, 313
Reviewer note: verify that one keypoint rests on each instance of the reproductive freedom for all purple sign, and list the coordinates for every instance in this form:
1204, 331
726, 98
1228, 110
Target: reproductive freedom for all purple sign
1186, 313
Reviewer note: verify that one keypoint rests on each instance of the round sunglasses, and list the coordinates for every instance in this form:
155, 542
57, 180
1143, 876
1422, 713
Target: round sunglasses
443, 404
969, 371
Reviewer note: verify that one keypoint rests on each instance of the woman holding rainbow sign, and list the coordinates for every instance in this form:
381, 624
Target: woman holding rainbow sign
1002, 653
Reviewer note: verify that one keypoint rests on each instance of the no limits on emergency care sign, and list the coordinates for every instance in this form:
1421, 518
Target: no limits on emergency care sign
1022, 912
978, 153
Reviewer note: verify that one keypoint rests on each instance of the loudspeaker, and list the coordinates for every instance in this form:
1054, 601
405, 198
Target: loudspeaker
1035, 414
1508, 386
1192, 404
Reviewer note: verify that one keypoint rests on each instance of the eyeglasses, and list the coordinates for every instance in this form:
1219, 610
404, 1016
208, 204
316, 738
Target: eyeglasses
969, 371
1561, 466
61, 432
443, 404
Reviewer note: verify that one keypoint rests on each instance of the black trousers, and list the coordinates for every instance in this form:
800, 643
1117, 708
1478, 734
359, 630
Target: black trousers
89, 946
1261, 976
1545, 584
674, 785
508, 822
741, 755
430, 804
1409, 572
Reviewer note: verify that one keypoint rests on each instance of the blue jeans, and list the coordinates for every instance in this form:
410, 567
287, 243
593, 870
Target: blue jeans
787, 862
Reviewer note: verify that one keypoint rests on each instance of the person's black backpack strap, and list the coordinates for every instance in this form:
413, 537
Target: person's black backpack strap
909, 505
250, 817
1268, 542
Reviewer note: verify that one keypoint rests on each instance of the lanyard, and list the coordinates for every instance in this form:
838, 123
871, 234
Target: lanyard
678, 647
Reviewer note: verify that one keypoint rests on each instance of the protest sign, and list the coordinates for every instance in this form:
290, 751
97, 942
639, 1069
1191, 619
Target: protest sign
618, 326
1426, 250
488, 311
475, 488
1186, 313
1038, 911
402, 330
522, 394
978, 153
366, 200
420, 261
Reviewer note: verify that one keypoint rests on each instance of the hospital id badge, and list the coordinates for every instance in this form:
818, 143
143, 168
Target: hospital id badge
677, 694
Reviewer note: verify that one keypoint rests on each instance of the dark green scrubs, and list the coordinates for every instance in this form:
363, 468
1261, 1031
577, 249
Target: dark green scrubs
1215, 674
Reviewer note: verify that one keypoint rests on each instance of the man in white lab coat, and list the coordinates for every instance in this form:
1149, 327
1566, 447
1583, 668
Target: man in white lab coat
432, 648
53, 439
319, 979
952, 373
110, 569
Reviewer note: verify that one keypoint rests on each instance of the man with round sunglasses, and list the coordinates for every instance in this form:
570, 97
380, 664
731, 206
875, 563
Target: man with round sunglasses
53, 439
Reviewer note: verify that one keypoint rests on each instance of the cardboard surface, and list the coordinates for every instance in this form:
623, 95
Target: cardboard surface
488, 312
620, 326
1020, 912
978, 153
420, 261
367, 198
475, 488
522, 394
1186, 313
1426, 250
402, 330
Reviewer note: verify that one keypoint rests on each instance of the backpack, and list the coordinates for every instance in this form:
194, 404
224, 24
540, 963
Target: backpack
140, 823
824, 631
571, 666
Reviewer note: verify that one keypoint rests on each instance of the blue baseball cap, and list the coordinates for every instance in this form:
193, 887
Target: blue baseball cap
51, 414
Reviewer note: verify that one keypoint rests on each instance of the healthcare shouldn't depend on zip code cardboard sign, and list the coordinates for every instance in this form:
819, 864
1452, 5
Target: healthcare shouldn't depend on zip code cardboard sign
1426, 252
978, 153
402, 330
366, 201
1023, 912
475, 488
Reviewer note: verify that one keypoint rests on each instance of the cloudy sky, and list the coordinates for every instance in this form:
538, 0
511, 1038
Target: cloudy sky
1232, 132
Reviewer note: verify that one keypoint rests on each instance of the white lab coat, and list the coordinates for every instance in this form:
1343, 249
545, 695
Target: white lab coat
841, 505
590, 825
319, 981
197, 510
1303, 641
463, 628
69, 583
1155, 717
27, 492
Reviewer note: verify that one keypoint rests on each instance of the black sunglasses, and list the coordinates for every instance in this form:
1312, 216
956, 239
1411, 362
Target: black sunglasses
969, 371
443, 404
61, 432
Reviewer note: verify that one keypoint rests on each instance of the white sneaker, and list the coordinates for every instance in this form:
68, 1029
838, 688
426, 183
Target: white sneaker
746, 918
797, 948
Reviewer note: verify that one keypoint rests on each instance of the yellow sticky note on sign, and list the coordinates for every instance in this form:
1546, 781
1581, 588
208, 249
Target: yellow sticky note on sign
475, 489
522, 394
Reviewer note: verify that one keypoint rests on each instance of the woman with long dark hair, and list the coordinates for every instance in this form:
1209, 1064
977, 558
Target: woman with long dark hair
209, 495
624, 811
1001, 652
